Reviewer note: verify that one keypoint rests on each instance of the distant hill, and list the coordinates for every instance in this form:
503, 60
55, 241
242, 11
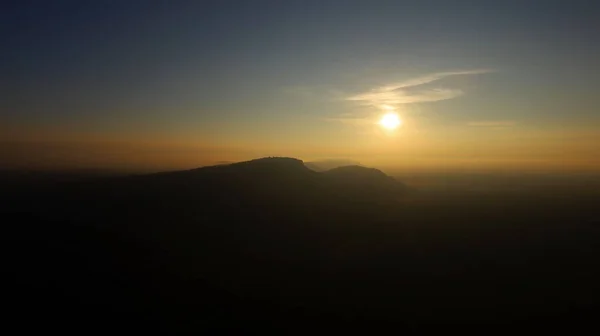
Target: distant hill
274, 165
293, 175
272, 241
364, 183
323, 165
265, 186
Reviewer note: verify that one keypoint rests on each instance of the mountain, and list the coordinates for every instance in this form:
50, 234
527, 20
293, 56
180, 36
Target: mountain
273, 242
362, 177
233, 236
323, 165
263, 183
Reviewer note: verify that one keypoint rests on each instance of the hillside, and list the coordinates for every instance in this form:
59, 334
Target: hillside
273, 242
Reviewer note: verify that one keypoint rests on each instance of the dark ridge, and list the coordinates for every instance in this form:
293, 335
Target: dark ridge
324, 165
361, 183
273, 242
265, 165
281, 161
275, 161
356, 171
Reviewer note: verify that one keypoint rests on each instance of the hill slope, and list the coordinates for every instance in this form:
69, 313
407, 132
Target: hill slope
270, 240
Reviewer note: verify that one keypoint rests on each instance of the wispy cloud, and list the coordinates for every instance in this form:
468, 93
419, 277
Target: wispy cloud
492, 123
389, 97
406, 92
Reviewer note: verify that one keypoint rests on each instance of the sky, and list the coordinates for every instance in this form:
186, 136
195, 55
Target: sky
155, 85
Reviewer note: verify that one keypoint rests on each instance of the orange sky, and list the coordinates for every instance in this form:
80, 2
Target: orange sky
408, 148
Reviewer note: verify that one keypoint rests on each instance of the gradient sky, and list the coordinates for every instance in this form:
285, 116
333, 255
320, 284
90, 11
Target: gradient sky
178, 84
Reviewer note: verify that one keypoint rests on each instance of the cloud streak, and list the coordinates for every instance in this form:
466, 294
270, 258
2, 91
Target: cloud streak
407, 92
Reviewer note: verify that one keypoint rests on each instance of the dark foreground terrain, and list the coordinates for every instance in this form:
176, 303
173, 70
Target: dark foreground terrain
272, 244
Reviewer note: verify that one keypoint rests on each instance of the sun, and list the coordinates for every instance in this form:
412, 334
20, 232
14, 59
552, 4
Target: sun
390, 121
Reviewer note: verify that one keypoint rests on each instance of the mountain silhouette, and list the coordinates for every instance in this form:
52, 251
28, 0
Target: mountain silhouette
187, 236
323, 165
273, 241
261, 183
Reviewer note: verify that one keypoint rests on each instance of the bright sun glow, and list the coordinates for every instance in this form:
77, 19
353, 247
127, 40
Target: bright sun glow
390, 121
